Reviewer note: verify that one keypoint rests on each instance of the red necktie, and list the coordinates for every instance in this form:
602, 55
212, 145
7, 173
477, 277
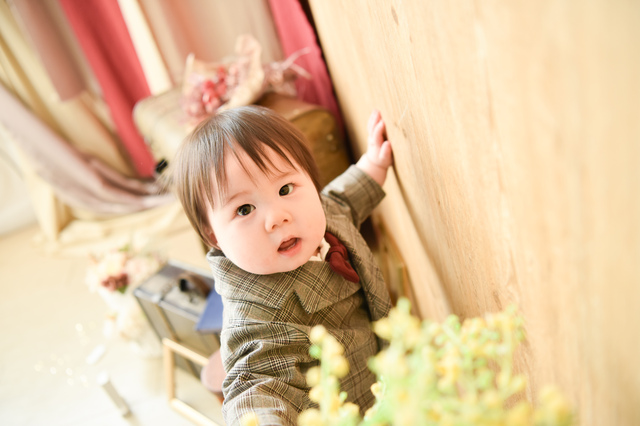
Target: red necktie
338, 259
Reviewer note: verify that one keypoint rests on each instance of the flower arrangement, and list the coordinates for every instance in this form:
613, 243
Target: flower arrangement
114, 275
236, 81
119, 267
434, 374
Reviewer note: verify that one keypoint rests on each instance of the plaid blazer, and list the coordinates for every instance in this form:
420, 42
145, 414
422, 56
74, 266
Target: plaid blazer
267, 318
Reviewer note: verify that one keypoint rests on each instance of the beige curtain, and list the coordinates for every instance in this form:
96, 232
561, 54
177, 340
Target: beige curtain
42, 66
75, 121
22, 73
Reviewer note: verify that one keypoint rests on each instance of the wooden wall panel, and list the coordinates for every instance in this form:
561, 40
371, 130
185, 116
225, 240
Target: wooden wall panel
516, 133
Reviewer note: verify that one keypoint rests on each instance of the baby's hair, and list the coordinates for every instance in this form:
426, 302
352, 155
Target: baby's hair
198, 167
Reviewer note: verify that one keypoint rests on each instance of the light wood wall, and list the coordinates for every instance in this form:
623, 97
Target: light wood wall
516, 132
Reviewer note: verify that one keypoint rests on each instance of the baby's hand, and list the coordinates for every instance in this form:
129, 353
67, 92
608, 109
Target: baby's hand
379, 155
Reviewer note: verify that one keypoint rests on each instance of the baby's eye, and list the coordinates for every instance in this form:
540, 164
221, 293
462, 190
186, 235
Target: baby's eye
286, 190
245, 209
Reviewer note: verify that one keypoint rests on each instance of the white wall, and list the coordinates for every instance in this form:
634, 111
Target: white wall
16, 210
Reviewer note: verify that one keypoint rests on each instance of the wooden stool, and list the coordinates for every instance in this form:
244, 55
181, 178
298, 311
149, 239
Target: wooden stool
170, 348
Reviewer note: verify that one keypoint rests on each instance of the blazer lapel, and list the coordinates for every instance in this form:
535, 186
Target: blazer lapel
318, 287
365, 264
236, 284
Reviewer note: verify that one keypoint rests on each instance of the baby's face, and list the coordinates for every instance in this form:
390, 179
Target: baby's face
273, 223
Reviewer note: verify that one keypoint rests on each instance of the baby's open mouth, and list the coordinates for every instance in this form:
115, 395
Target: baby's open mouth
288, 245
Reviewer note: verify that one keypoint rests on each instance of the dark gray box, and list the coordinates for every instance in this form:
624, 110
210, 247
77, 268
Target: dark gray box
174, 311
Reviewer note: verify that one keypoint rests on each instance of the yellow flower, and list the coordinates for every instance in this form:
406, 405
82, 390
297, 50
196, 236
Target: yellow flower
489, 349
314, 375
250, 419
331, 347
445, 373
518, 383
371, 412
412, 337
316, 393
376, 389
470, 399
350, 409
339, 366
334, 404
446, 385
382, 328
492, 399
405, 418
434, 329
520, 415
394, 362
502, 380
310, 417
554, 408
472, 417
317, 334
449, 366
474, 326
402, 396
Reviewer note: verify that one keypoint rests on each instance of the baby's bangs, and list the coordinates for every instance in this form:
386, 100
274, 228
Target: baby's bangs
204, 177
217, 179
256, 150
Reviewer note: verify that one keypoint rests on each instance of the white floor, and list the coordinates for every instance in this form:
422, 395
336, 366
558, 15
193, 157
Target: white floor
50, 323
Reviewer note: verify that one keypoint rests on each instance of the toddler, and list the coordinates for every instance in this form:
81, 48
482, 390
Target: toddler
286, 255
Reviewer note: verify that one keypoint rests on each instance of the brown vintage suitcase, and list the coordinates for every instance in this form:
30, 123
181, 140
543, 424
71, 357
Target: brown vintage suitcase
163, 124
321, 130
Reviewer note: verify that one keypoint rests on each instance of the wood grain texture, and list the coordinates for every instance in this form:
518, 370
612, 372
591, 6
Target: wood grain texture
516, 135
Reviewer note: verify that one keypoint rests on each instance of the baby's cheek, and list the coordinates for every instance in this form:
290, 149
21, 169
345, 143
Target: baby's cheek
253, 260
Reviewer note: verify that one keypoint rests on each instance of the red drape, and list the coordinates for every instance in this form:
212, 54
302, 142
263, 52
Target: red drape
105, 40
296, 33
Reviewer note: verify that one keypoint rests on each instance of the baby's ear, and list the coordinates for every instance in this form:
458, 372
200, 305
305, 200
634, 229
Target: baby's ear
211, 237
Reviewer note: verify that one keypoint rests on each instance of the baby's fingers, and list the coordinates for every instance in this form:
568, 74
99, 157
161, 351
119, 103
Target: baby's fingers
386, 152
377, 135
385, 156
374, 118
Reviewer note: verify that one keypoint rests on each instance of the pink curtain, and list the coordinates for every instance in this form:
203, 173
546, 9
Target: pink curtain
103, 35
296, 33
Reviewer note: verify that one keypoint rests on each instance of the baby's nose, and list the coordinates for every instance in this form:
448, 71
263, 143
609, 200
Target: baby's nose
277, 218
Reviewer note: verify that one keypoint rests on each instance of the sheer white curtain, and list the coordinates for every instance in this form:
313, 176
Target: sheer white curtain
208, 29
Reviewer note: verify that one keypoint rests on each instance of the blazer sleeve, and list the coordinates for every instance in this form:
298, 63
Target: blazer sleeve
266, 364
355, 193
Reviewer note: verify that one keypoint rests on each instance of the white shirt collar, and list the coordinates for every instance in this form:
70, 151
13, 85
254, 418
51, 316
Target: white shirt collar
322, 251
